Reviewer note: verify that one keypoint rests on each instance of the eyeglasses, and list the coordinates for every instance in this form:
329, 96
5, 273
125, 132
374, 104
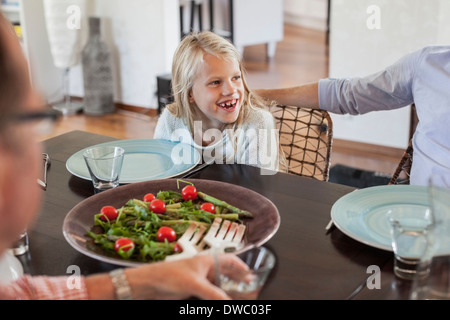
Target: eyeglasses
42, 122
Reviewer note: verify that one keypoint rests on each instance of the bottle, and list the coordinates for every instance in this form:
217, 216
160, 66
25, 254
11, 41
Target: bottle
97, 73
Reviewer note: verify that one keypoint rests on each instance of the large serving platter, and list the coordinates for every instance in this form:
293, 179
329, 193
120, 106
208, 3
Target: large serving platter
262, 227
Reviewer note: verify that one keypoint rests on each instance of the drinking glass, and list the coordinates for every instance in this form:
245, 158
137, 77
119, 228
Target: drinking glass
245, 284
439, 195
104, 164
409, 228
437, 284
20, 246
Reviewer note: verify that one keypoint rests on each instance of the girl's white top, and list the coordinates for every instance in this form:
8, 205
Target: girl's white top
256, 141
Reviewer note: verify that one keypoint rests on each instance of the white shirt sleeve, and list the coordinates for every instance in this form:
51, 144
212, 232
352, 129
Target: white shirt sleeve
384, 90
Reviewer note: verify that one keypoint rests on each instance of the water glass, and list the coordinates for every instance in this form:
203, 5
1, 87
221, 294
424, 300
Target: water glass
245, 284
437, 285
439, 195
20, 246
104, 164
410, 227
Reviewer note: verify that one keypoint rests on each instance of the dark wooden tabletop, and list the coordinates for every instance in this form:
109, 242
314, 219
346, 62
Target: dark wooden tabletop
311, 264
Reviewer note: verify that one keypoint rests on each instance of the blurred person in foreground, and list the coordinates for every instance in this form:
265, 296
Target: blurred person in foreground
421, 78
21, 164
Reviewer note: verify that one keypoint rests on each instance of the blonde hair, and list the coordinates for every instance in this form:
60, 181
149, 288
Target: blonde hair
187, 61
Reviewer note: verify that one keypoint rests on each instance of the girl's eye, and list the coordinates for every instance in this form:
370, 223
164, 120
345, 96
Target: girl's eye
215, 82
236, 77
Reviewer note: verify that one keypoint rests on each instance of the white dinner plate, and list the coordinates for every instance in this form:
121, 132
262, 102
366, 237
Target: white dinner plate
145, 159
361, 214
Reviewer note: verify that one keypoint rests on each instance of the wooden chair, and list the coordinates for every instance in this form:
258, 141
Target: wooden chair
403, 170
306, 137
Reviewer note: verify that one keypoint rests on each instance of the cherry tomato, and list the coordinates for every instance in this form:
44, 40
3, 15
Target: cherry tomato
149, 197
189, 193
166, 233
123, 244
209, 207
177, 248
108, 213
158, 206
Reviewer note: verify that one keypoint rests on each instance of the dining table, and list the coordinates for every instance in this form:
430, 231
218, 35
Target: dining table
312, 263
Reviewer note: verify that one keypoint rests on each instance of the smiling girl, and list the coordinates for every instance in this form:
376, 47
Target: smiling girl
214, 110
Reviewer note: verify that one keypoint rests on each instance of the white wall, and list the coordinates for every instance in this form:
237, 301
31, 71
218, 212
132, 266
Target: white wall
265, 24
306, 13
358, 50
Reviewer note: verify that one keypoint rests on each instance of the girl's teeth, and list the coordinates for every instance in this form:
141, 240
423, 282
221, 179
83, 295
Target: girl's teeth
228, 104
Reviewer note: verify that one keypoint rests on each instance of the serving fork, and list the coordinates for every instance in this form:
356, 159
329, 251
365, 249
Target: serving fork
224, 236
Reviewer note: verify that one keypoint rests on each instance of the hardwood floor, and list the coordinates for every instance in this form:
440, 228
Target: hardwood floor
300, 58
122, 124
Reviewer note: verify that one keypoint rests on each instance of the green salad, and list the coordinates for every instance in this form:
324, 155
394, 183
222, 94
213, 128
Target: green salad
147, 229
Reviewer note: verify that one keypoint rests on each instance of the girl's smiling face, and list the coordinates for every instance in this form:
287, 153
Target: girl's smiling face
218, 91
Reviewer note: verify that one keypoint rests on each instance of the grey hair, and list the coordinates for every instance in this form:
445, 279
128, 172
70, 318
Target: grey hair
13, 85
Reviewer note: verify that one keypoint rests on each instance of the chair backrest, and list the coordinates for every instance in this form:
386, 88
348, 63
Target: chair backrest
306, 137
403, 170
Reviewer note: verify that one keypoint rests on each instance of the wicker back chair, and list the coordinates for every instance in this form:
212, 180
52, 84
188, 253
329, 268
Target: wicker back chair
403, 170
306, 137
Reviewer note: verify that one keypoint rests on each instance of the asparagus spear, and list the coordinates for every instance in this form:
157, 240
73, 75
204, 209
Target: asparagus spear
217, 202
141, 223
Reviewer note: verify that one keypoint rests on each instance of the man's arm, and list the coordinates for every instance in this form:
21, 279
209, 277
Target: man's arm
305, 96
